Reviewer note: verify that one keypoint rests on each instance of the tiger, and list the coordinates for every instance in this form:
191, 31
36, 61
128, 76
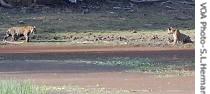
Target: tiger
178, 37
16, 32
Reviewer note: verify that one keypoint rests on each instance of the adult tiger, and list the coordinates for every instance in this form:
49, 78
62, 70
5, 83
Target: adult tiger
16, 32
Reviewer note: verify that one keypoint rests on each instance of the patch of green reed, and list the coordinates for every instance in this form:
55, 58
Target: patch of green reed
147, 64
20, 87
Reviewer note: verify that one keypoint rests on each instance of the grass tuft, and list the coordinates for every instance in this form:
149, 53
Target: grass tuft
148, 64
20, 87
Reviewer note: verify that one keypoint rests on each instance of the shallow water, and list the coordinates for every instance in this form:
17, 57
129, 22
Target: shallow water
99, 61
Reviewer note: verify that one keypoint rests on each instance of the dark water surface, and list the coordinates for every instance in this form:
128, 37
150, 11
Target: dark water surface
98, 61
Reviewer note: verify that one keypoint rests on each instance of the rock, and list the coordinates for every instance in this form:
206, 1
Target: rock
71, 36
75, 38
21, 22
96, 39
104, 38
55, 38
100, 37
90, 34
155, 37
121, 38
134, 31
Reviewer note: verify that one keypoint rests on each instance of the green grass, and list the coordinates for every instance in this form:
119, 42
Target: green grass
26, 87
20, 87
148, 64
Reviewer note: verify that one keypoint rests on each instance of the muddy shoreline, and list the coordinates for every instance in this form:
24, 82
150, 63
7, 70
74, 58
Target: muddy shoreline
63, 49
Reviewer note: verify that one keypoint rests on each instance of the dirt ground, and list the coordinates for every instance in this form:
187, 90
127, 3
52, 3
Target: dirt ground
40, 66
46, 49
135, 82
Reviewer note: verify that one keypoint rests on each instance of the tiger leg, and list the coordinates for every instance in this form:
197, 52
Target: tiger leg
175, 41
26, 38
5, 37
13, 38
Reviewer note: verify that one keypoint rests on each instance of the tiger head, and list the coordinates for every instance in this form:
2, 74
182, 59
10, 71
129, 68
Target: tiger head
172, 30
